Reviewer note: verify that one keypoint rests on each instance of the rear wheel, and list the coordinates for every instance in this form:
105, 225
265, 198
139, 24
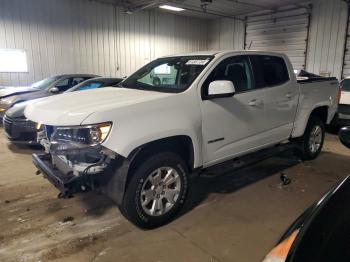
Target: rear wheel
311, 142
156, 191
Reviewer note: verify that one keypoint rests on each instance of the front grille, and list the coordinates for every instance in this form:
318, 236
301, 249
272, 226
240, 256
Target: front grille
344, 109
8, 121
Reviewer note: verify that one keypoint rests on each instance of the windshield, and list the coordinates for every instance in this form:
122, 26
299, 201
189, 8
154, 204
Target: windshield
45, 83
171, 74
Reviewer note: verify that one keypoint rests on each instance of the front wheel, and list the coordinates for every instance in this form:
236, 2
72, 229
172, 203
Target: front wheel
156, 191
311, 142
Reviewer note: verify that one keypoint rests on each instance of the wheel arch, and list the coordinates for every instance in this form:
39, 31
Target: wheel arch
181, 144
321, 111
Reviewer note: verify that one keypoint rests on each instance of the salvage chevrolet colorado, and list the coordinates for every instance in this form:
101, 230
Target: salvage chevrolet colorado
174, 116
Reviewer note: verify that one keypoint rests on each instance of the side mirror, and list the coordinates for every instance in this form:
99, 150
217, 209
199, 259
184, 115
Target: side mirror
344, 136
54, 90
221, 88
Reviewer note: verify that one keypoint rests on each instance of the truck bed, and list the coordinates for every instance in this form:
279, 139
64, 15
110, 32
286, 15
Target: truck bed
315, 92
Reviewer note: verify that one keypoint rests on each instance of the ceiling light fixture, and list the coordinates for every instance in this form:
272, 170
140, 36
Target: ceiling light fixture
172, 8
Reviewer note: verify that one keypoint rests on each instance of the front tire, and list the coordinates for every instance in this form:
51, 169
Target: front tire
156, 191
311, 142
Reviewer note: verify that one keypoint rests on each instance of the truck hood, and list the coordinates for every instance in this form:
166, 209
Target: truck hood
10, 91
73, 108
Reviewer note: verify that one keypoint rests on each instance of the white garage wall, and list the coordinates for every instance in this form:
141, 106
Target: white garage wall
83, 36
226, 34
327, 37
283, 31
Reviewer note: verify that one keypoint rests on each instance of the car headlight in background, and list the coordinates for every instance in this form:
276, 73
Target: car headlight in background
280, 252
84, 135
38, 126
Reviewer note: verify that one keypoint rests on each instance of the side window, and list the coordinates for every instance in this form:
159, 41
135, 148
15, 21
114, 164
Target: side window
269, 70
77, 80
63, 84
236, 69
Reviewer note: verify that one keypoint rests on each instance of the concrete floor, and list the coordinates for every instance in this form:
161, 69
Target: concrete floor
234, 217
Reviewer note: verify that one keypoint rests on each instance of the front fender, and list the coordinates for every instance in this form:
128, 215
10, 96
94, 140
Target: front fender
125, 147
144, 123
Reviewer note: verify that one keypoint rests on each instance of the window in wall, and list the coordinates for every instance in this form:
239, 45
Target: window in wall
13, 61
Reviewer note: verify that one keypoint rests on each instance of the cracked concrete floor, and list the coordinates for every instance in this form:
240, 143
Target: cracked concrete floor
233, 217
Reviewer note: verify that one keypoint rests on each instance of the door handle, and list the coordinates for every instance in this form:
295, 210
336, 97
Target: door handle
289, 95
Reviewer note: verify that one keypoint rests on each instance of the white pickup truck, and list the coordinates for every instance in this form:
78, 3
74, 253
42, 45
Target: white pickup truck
174, 116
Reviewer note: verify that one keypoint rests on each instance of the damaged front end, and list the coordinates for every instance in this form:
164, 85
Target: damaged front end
74, 158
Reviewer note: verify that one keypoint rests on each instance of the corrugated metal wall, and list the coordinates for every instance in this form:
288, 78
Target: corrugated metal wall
327, 37
284, 31
226, 34
346, 67
62, 36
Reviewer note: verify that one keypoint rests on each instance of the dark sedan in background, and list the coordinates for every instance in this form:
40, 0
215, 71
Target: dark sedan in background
46, 87
22, 131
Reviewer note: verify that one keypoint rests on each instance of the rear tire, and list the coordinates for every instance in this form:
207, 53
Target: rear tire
156, 191
311, 142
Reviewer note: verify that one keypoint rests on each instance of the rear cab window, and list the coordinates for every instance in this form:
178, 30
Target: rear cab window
269, 70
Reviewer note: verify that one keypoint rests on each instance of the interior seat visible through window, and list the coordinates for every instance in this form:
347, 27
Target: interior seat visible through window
238, 76
235, 69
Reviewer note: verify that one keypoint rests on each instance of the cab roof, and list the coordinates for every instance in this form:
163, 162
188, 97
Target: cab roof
224, 52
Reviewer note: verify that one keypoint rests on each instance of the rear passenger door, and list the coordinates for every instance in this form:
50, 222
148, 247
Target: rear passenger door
280, 95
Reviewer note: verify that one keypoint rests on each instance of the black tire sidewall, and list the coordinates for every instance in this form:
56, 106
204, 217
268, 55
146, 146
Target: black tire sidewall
307, 154
132, 204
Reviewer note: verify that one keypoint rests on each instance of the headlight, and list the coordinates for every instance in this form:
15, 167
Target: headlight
86, 135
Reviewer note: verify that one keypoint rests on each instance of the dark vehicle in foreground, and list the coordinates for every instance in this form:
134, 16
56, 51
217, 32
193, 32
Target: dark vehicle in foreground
322, 232
20, 130
49, 86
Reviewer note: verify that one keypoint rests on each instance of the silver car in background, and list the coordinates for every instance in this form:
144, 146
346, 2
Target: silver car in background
49, 86
20, 130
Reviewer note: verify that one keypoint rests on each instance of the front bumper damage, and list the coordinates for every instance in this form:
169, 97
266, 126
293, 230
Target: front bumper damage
76, 170
65, 183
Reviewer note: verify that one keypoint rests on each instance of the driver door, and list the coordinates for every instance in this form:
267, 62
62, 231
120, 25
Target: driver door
232, 125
